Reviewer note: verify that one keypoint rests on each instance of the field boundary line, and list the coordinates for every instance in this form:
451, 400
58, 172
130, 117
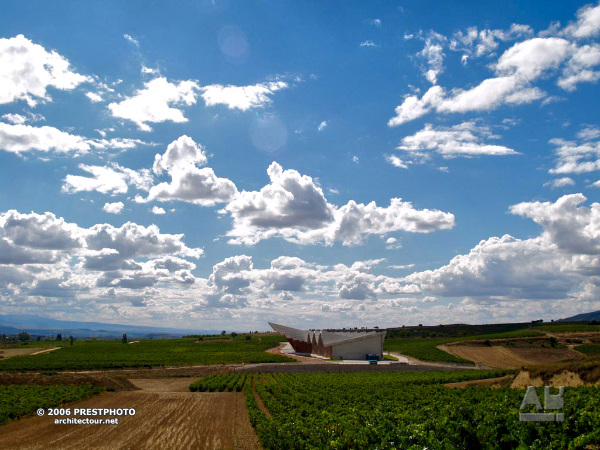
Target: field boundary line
261, 404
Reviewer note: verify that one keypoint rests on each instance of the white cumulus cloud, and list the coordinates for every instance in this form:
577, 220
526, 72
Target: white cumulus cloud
294, 208
464, 140
27, 70
241, 97
111, 179
113, 208
159, 101
189, 183
25, 138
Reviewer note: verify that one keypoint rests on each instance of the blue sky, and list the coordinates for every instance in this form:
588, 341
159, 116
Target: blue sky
220, 164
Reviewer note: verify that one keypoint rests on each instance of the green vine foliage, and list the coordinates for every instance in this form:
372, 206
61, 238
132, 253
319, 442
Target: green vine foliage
406, 410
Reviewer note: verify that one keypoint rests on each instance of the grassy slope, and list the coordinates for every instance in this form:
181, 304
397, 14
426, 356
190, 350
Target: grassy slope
589, 349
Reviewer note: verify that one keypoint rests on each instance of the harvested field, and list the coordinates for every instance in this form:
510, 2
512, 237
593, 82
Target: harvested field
11, 352
163, 419
513, 358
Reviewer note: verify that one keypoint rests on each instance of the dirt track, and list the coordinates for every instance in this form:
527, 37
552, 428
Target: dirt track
167, 416
499, 381
10, 352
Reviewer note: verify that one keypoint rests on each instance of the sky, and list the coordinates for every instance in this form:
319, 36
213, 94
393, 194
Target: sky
222, 164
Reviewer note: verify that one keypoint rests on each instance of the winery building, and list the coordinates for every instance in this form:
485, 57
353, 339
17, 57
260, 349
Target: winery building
334, 344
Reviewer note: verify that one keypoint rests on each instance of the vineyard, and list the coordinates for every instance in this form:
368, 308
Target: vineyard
18, 401
103, 354
403, 410
220, 383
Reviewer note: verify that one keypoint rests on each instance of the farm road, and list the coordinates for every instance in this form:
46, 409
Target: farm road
167, 415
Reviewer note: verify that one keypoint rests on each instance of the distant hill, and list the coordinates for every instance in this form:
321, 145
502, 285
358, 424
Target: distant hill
46, 326
586, 317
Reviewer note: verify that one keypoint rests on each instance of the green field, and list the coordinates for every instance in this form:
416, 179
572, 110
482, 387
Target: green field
408, 410
456, 330
569, 328
18, 401
588, 349
103, 354
425, 348
35, 344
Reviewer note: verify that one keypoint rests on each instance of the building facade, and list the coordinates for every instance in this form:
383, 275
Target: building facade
357, 345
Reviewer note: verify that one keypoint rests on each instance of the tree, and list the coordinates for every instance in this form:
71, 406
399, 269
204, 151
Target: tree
124, 340
233, 334
223, 333
24, 337
59, 337
71, 339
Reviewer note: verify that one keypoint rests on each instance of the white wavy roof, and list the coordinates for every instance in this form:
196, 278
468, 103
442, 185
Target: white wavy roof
328, 337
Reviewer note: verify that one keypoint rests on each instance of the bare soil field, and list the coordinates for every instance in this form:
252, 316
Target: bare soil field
10, 352
494, 382
566, 378
494, 357
163, 385
505, 358
588, 337
166, 417
546, 355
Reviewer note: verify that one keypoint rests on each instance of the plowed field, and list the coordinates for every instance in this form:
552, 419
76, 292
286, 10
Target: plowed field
167, 416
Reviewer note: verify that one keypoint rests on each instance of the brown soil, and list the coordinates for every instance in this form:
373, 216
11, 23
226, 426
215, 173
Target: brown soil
565, 378
11, 352
46, 350
537, 342
111, 382
261, 404
163, 384
505, 358
164, 372
586, 336
494, 357
165, 418
546, 355
494, 382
